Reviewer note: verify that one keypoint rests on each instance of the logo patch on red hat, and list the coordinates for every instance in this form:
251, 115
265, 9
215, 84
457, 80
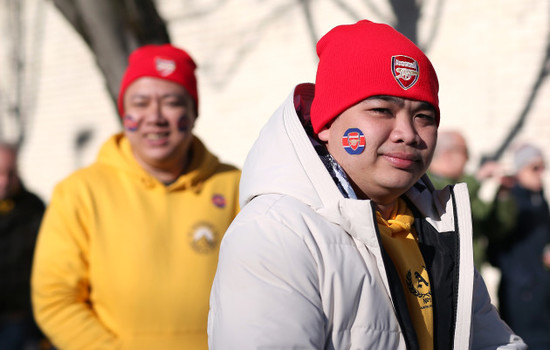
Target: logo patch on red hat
165, 66
353, 141
405, 71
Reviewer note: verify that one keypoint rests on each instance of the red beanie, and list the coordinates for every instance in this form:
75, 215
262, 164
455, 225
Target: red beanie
368, 59
160, 61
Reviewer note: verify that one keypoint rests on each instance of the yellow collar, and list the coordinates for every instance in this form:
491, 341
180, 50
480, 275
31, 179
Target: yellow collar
400, 222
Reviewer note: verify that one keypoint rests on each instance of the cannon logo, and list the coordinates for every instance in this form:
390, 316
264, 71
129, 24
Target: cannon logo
405, 71
164, 66
353, 141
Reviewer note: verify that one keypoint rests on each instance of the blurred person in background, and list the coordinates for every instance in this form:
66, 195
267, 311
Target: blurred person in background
492, 206
522, 253
128, 248
20, 216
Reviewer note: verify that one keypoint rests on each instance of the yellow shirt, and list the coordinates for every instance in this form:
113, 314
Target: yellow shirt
401, 243
125, 262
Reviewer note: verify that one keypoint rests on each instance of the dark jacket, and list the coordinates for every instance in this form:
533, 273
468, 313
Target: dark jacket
524, 291
20, 219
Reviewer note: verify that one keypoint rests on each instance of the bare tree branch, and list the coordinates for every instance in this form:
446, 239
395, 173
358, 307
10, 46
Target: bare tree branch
306, 6
347, 9
202, 10
375, 10
435, 25
250, 38
541, 77
407, 13
112, 29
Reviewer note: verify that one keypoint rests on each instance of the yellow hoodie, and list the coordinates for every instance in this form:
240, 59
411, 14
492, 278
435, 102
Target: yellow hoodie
125, 262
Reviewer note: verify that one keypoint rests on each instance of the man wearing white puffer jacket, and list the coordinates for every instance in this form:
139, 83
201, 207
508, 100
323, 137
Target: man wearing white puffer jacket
342, 241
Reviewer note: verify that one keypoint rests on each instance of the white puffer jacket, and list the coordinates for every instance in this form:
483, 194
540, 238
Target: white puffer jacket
301, 267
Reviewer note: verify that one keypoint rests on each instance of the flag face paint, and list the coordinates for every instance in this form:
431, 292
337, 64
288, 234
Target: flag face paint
353, 141
130, 123
183, 123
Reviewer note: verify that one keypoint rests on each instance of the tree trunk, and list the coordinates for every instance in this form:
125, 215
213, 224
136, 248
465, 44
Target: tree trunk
112, 29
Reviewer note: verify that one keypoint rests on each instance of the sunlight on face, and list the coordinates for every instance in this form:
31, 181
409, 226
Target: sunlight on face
158, 122
399, 140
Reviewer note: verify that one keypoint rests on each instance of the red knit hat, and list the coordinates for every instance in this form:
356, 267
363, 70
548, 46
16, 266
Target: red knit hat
160, 61
367, 59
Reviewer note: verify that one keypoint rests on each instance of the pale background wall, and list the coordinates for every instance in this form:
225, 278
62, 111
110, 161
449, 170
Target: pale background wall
251, 53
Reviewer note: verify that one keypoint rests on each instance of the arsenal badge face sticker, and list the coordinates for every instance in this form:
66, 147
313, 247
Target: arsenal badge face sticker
353, 141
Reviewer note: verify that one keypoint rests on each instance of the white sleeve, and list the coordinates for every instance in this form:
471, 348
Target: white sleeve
266, 290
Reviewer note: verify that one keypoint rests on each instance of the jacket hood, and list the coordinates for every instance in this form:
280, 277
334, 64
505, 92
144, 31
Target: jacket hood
116, 152
292, 167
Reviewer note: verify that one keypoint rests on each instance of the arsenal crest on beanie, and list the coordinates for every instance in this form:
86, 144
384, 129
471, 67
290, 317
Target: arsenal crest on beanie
367, 59
160, 61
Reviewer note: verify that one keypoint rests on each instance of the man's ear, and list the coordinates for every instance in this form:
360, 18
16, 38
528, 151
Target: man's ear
324, 134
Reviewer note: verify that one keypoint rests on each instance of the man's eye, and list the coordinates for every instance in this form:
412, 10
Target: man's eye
174, 103
381, 110
139, 104
427, 119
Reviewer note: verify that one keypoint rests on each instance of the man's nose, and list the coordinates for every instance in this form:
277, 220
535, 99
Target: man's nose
404, 130
155, 113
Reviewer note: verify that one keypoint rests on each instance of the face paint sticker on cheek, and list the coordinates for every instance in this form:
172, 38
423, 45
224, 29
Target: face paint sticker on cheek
130, 123
183, 124
353, 141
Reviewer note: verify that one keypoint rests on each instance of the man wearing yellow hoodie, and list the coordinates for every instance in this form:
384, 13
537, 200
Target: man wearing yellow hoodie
128, 247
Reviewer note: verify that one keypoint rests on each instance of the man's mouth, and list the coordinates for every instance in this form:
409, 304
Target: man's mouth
156, 136
402, 160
